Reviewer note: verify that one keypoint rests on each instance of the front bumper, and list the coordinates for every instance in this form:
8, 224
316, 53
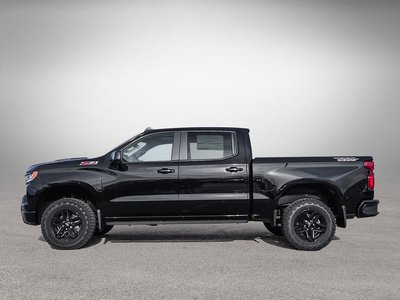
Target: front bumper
368, 208
28, 216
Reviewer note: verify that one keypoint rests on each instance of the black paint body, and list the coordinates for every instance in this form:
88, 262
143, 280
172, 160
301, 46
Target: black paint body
200, 191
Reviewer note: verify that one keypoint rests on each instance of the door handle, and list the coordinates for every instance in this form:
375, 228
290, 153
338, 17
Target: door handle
234, 169
165, 171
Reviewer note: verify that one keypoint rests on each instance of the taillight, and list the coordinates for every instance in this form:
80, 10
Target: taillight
371, 176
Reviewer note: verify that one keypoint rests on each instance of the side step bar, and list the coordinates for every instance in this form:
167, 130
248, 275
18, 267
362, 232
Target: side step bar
174, 222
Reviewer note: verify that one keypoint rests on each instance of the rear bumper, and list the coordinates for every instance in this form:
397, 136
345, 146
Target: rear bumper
28, 216
368, 208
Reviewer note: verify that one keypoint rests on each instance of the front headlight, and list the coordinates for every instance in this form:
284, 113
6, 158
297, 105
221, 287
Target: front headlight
31, 176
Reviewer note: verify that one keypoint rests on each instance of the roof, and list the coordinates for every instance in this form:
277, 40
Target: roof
197, 128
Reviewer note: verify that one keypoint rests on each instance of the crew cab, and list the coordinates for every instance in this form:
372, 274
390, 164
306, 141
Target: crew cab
197, 175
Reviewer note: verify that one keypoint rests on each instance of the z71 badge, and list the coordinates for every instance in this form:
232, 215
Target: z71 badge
88, 163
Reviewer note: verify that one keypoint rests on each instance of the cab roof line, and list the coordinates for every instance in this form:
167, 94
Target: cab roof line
196, 128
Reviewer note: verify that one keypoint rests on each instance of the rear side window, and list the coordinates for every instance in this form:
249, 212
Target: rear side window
211, 145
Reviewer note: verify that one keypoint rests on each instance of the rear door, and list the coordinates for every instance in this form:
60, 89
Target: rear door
213, 175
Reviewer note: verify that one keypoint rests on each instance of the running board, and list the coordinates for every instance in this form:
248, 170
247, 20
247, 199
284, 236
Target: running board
174, 222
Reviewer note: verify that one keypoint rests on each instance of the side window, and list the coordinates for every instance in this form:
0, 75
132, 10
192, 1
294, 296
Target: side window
155, 147
211, 145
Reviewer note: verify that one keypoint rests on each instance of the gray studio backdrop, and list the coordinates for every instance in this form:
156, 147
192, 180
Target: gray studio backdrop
307, 77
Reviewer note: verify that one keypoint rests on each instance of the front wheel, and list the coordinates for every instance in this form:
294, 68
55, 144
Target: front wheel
68, 223
308, 224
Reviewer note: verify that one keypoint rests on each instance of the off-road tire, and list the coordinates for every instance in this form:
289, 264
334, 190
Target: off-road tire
74, 235
274, 229
302, 229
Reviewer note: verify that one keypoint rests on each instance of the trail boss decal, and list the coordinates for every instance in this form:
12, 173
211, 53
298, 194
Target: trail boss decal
88, 163
346, 158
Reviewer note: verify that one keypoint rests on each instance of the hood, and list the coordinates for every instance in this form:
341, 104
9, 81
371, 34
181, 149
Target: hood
54, 164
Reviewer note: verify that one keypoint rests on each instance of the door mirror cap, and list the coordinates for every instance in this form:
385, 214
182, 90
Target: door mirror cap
116, 156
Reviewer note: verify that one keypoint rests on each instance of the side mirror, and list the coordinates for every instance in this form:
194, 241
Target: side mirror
116, 156
116, 161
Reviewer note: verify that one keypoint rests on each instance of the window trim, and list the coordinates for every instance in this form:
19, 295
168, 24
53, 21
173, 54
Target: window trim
184, 145
174, 153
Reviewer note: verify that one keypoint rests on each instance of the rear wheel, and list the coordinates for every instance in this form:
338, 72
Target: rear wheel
308, 224
68, 223
274, 229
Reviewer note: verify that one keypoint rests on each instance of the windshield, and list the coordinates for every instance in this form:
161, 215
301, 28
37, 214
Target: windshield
126, 142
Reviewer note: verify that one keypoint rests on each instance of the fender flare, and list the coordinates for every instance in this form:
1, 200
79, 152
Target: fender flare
337, 199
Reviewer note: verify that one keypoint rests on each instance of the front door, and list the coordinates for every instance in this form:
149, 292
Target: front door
145, 187
213, 176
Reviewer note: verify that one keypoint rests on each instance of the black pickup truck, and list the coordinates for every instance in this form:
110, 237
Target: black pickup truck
197, 175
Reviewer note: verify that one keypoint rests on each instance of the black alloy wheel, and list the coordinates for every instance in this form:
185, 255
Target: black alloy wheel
310, 225
66, 224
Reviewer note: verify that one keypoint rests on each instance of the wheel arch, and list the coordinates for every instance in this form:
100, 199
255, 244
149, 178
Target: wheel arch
324, 191
78, 190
